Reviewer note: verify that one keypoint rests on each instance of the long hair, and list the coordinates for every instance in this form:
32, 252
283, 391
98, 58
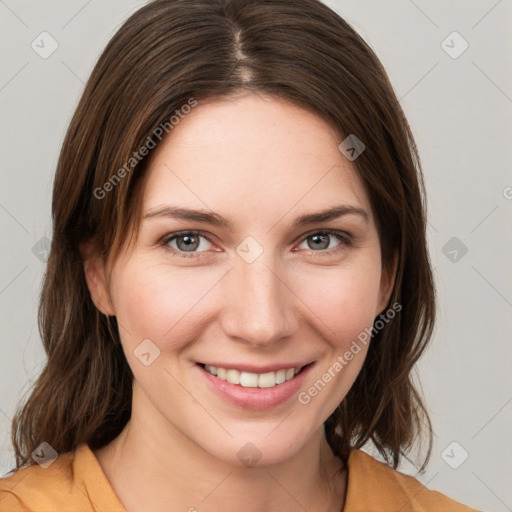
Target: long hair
164, 55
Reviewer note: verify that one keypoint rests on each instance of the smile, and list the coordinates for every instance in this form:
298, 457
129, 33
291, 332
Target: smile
248, 388
255, 390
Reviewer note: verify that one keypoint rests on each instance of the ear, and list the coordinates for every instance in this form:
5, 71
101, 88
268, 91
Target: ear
94, 269
387, 282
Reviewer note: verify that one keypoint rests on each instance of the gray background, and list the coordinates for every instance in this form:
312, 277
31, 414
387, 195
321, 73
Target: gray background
459, 107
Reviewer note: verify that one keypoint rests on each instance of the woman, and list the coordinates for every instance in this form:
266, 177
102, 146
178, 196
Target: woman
238, 285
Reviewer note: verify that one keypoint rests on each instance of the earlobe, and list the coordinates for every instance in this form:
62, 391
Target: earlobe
94, 270
387, 282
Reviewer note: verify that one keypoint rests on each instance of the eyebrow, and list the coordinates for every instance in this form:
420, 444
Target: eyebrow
209, 217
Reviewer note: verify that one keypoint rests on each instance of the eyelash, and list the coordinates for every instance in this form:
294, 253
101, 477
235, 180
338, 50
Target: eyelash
344, 238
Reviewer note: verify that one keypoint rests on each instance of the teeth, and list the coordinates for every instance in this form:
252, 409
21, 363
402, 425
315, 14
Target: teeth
253, 380
233, 376
248, 380
280, 376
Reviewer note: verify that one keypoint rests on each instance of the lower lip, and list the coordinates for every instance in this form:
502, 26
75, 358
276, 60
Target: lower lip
255, 398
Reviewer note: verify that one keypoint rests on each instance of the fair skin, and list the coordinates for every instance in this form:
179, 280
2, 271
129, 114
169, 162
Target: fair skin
261, 162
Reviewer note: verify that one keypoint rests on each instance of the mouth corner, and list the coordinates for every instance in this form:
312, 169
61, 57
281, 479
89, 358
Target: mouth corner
307, 366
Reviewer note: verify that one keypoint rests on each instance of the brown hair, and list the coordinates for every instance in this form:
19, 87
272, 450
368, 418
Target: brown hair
165, 54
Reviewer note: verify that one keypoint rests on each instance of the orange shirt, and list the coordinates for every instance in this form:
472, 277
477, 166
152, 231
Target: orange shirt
75, 482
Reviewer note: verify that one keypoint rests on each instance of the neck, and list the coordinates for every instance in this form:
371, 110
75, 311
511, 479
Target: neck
152, 465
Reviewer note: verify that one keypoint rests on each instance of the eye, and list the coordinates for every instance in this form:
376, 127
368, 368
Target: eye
188, 244
185, 242
320, 241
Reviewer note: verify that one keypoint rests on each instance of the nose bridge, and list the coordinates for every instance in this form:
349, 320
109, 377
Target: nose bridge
260, 308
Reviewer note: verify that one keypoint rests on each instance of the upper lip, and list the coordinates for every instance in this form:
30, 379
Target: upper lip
252, 368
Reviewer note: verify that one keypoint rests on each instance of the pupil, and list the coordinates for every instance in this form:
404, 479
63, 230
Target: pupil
319, 239
189, 241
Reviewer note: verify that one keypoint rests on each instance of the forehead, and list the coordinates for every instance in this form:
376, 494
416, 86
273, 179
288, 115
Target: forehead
251, 152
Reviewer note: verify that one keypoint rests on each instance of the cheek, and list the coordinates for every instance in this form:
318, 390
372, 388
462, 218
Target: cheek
159, 303
164, 303
344, 299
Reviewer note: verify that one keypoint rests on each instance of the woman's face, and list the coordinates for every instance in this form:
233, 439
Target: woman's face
254, 284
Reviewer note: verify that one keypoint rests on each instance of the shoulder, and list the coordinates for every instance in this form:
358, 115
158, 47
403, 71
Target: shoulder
372, 485
72, 482
36, 487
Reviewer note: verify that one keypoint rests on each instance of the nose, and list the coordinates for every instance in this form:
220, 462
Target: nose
259, 306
